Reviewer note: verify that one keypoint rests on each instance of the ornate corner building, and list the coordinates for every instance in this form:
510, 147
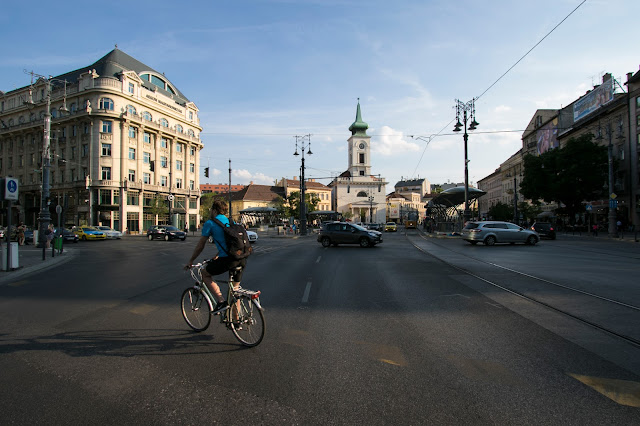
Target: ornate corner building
124, 147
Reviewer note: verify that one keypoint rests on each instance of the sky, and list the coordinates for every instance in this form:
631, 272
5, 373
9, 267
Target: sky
264, 71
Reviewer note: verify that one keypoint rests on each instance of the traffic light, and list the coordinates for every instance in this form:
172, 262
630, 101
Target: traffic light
206, 172
152, 165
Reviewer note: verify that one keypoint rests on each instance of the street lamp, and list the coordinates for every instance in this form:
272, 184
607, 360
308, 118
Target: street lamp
303, 204
613, 203
468, 112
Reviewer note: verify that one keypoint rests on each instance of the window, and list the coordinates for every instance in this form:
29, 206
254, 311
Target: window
86, 128
163, 181
178, 165
361, 157
132, 153
193, 203
106, 103
361, 172
178, 183
192, 186
147, 137
164, 143
192, 168
132, 198
132, 132
105, 196
74, 130
131, 88
146, 178
361, 194
191, 133
106, 126
131, 110
179, 147
132, 175
146, 157
147, 116
106, 149
192, 151
190, 115
179, 128
163, 162
106, 173
637, 102
85, 150
163, 122
32, 158
116, 196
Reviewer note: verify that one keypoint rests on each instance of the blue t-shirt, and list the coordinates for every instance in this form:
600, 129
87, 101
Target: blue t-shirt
212, 229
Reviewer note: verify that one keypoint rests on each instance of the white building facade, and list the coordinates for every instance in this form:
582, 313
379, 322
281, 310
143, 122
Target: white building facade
357, 191
124, 147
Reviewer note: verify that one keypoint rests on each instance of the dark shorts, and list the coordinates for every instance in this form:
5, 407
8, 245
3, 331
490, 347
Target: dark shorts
222, 265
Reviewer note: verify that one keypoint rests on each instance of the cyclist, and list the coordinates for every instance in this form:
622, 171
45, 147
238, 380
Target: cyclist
222, 262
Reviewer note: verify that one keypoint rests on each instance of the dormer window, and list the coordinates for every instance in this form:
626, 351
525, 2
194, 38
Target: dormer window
158, 81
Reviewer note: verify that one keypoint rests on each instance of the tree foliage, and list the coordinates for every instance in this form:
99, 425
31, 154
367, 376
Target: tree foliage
501, 211
569, 175
290, 206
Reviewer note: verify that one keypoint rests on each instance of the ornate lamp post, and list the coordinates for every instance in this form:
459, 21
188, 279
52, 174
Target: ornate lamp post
466, 111
303, 203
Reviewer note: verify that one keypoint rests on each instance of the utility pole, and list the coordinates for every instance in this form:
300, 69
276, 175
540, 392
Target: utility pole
230, 188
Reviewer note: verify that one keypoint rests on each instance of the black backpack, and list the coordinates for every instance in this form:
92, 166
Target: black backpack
237, 240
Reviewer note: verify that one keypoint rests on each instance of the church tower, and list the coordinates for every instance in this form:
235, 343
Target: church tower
359, 147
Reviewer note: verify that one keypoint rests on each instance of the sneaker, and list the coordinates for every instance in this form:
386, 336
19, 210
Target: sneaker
220, 307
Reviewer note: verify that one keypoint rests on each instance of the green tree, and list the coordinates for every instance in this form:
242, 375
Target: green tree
501, 211
529, 211
158, 206
292, 203
568, 175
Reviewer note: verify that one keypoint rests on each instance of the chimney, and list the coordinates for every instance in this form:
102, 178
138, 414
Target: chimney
629, 75
606, 77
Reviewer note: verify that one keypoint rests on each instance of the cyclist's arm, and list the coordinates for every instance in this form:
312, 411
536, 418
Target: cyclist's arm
202, 242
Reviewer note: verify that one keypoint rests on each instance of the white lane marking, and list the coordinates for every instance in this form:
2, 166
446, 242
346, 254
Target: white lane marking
318, 259
307, 290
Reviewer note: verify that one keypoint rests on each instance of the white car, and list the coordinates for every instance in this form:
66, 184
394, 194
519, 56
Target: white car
111, 233
253, 237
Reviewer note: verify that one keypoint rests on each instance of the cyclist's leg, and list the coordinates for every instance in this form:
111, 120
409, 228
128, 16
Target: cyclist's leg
216, 266
237, 278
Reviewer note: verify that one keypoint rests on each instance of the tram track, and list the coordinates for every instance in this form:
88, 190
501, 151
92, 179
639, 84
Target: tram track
583, 306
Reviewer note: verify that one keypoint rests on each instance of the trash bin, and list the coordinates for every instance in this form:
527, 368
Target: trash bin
14, 256
57, 243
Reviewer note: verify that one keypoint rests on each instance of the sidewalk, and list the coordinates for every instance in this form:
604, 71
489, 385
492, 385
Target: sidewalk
30, 260
626, 236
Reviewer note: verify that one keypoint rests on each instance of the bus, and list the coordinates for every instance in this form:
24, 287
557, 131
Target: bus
412, 220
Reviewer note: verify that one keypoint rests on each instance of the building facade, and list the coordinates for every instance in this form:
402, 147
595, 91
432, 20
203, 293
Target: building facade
357, 192
124, 147
323, 192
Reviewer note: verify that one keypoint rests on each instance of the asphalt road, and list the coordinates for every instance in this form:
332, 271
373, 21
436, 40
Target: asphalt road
408, 332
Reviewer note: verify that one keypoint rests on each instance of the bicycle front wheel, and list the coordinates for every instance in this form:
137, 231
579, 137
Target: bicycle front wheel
247, 322
195, 309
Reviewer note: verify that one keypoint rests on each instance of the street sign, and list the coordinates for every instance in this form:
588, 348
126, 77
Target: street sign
614, 195
613, 204
170, 197
589, 207
11, 189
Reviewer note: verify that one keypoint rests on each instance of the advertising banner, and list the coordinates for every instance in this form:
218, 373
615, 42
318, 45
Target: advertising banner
394, 210
547, 136
599, 96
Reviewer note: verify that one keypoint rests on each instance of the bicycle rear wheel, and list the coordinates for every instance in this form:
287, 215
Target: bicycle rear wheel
247, 321
195, 309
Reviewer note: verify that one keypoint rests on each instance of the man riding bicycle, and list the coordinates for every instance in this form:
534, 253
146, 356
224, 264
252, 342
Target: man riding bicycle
222, 262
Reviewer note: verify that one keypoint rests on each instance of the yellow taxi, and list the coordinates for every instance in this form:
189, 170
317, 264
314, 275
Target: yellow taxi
390, 227
89, 233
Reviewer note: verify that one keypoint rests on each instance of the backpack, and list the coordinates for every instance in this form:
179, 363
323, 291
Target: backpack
237, 240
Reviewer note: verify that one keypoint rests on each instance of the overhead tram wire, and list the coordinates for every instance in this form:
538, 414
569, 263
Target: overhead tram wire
502, 76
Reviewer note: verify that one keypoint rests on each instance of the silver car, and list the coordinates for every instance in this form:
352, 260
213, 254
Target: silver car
492, 232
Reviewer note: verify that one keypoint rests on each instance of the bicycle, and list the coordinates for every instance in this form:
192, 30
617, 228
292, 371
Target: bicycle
245, 317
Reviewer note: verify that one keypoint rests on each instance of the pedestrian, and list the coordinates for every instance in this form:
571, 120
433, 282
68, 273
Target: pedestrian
594, 229
21, 229
48, 233
619, 225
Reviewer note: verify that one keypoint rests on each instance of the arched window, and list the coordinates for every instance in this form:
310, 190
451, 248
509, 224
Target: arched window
179, 128
191, 133
164, 122
106, 103
147, 116
158, 81
361, 194
131, 110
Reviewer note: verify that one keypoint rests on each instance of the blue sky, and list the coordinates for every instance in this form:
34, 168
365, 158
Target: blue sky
263, 71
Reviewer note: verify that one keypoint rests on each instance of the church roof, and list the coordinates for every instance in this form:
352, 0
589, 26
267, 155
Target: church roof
412, 182
255, 192
359, 127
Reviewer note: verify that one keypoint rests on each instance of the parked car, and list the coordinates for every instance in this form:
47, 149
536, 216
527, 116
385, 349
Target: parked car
545, 230
390, 227
374, 226
111, 233
492, 232
68, 235
165, 232
89, 233
347, 233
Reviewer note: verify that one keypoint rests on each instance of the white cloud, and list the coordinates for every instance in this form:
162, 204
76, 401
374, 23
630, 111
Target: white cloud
244, 176
391, 142
216, 172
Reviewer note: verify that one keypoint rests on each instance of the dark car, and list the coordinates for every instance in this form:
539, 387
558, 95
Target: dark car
347, 233
68, 236
165, 232
545, 230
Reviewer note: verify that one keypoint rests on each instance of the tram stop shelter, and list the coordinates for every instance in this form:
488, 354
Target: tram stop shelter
446, 209
259, 215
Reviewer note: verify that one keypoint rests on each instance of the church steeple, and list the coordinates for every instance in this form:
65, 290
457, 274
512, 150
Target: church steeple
358, 127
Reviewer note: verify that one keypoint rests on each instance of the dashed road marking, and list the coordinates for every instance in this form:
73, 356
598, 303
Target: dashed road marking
307, 291
624, 392
318, 259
